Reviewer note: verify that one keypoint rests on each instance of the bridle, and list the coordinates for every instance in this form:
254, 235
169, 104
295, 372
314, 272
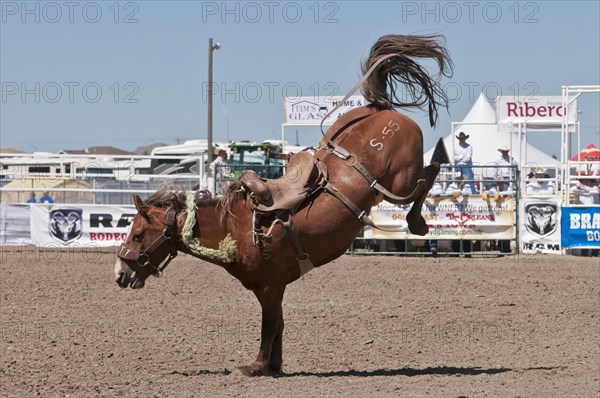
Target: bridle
136, 259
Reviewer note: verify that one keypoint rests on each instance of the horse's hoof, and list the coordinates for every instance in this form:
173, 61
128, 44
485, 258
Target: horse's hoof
418, 227
255, 370
275, 369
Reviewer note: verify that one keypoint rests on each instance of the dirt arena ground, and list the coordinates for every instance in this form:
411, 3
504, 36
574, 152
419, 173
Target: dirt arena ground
361, 326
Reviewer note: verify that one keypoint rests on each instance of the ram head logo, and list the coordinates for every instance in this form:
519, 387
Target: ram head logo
541, 218
65, 225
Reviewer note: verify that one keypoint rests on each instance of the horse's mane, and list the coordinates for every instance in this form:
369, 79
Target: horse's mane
403, 69
231, 195
165, 198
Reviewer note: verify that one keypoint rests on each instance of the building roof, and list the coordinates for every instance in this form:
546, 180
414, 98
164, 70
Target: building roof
96, 150
11, 150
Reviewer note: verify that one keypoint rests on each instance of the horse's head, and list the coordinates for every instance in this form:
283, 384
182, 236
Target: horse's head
150, 241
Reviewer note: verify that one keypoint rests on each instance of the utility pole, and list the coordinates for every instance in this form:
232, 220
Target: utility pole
211, 47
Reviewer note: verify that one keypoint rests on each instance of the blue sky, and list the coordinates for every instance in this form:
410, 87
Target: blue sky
132, 73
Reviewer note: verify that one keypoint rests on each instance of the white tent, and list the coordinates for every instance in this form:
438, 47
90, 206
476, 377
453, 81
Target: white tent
480, 125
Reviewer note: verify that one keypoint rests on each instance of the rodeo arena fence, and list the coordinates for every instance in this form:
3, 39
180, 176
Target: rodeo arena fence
497, 211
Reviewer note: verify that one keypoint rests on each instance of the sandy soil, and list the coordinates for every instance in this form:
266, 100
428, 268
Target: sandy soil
361, 326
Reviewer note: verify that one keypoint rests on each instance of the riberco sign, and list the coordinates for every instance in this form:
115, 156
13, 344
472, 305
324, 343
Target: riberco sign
535, 112
527, 109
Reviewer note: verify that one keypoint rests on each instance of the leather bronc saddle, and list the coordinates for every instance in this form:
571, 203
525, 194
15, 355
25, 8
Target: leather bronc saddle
287, 192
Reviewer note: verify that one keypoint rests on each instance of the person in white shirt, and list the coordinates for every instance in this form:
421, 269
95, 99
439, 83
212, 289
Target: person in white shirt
219, 168
436, 190
537, 187
585, 193
501, 189
463, 156
504, 165
457, 187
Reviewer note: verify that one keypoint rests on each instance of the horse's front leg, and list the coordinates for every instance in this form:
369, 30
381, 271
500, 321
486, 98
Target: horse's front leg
272, 325
277, 348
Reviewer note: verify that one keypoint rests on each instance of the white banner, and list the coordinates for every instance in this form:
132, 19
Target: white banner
468, 217
540, 225
537, 112
80, 225
308, 111
14, 224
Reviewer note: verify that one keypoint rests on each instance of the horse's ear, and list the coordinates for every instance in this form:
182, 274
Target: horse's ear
139, 204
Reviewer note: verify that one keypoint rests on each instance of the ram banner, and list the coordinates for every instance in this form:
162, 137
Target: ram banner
540, 225
59, 225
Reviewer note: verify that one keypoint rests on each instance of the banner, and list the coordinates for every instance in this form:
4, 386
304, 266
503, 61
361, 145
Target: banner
537, 112
79, 225
467, 217
309, 111
580, 227
14, 224
540, 225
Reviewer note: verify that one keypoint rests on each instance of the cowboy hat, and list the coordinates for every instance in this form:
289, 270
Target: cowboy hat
504, 148
540, 170
457, 176
462, 135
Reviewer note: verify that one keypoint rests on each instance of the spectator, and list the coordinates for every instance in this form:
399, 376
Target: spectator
31, 198
500, 189
540, 184
46, 198
504, 165
220, 170
463, 157
436, 190
585, 193
457, 187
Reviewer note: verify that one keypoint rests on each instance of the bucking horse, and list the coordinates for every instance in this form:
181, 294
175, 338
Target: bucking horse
268, 233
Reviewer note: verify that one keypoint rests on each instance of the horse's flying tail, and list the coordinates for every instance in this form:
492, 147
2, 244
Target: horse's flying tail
381, 87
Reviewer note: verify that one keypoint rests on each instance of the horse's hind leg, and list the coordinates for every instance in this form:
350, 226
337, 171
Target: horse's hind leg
416, 222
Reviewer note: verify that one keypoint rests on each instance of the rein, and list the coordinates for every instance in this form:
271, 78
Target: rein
142, 258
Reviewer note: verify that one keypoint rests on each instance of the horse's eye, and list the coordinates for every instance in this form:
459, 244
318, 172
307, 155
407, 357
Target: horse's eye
138, 237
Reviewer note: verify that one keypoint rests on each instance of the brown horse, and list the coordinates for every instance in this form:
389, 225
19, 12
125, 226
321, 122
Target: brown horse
267, 234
